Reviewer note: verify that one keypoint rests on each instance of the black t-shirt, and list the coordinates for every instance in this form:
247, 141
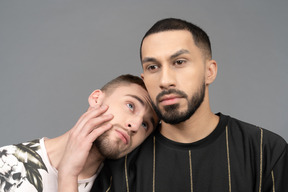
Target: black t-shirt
236, 156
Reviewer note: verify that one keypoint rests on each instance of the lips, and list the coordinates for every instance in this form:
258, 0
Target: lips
123, 136
169, 99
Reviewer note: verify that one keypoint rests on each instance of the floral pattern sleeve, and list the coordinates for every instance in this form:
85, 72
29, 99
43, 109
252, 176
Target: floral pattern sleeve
20, 164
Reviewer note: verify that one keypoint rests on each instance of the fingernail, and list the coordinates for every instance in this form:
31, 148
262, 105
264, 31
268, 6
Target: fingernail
104, 106
110, 115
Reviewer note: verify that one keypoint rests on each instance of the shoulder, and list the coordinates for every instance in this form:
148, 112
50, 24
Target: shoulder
252, 131
14, 148
252, 135
20, 163
20, 153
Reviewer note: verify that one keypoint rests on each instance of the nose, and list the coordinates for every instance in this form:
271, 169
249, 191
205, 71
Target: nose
167, 78
134, 124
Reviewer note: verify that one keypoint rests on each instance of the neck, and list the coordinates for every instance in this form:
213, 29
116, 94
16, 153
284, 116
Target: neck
198, 126
92, 164
56, 148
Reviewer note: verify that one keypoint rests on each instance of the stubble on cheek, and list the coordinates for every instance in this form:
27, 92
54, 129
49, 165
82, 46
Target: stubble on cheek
111, 148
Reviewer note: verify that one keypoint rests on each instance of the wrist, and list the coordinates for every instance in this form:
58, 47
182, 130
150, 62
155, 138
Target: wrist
67, 183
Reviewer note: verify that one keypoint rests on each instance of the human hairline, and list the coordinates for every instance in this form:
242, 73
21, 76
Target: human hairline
122, 80
200, 37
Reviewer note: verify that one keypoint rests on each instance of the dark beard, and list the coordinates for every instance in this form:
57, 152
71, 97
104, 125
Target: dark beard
107, 148
171, 115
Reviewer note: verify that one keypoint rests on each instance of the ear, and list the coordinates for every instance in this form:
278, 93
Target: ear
96, 98
211, 71
142, 76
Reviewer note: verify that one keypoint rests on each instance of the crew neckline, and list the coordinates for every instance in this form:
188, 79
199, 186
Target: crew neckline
223, 120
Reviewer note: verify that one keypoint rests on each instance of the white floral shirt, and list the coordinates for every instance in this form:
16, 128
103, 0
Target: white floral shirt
25, 167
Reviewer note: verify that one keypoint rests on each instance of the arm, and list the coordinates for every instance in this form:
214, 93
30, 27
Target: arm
81, 138
277, 180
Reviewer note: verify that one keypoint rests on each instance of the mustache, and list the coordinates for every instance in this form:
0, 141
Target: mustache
171, 91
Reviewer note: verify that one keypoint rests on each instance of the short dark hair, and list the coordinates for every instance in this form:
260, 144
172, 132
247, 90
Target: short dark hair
126, 79
200, 37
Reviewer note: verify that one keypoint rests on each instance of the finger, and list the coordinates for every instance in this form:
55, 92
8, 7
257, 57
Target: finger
83, 117
94, 123
94, 107
95, 112
80, 136
99, 131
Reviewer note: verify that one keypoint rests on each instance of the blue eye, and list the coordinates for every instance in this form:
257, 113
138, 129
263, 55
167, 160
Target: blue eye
130, 106
145, 125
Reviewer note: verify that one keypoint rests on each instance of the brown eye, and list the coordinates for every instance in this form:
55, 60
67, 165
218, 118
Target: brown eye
152, 67
179, 62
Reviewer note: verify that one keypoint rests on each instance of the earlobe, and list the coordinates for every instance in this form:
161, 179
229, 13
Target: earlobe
95, 98
211, 71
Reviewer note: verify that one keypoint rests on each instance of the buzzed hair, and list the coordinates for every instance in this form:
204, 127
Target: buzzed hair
121, 80
200, 37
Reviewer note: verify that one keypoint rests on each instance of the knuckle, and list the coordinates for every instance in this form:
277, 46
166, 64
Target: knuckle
90, 123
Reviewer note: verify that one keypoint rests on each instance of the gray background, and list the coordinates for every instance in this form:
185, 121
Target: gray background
54, 53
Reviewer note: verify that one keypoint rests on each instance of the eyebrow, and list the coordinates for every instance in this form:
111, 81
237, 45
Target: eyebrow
178, 53
142, 103
137, 98
149, 59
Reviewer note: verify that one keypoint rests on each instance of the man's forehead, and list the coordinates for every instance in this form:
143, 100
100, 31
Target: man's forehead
143, 99
133, 91
172, 34
164, 38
